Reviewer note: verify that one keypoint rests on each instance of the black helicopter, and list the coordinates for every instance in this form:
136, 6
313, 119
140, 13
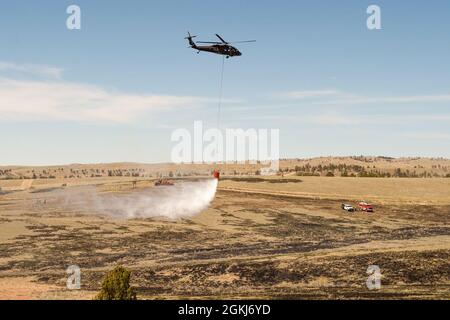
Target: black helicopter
222, 47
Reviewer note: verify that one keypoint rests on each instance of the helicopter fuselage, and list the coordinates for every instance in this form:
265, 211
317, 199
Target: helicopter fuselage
223, 49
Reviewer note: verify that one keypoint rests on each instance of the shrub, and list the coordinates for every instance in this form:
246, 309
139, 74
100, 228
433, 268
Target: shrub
116, 286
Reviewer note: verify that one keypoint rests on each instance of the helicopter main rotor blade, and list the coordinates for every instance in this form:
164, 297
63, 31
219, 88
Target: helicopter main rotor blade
243, 41
209, 42
221, 39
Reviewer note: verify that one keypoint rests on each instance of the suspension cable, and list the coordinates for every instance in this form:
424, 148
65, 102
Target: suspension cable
220, 94
219, 109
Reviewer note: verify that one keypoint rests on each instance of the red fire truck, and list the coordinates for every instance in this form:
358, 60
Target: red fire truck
364, 206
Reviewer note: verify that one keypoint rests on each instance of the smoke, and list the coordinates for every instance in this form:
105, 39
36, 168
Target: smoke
184, 199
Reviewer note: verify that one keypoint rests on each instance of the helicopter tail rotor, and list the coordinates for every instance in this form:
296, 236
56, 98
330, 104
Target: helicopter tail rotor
189, 38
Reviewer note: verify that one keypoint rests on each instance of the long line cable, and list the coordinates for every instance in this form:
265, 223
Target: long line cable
219, 108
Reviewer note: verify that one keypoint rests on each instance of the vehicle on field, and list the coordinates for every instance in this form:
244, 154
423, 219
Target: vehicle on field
163, 182
365, 207
348, 207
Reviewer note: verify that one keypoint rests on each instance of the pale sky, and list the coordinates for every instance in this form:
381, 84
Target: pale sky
116, 89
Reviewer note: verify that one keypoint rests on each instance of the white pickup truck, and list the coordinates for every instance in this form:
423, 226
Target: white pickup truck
348, 208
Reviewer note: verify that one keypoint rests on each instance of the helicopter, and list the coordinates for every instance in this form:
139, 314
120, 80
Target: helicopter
222, 48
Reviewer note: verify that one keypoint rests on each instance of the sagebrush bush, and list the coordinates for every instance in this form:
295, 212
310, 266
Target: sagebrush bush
116, 286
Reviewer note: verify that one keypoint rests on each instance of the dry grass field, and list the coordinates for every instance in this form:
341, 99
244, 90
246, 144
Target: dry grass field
276, 237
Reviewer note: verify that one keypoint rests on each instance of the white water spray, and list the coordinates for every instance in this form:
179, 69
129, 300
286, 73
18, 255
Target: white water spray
183, 200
